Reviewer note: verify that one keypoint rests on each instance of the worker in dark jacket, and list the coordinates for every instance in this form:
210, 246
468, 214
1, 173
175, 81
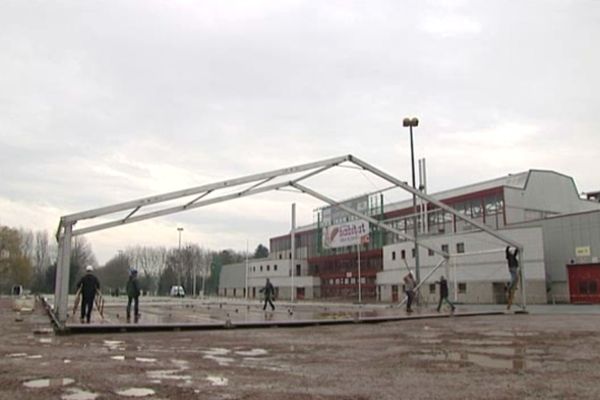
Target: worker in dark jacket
269, 292
133, 294
443, 293
88, 285
513, 269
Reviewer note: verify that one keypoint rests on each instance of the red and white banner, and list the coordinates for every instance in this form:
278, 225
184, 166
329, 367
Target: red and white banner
346, 234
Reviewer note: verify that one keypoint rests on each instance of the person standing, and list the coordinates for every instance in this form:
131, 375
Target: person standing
269, 292
133, 295
88, 285
444, 294
513, 269
409, 288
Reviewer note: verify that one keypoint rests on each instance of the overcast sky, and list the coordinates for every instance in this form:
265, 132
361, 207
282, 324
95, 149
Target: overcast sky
104, 102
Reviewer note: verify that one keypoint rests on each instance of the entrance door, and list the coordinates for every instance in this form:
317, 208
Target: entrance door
584, 283
395, 293
300, 293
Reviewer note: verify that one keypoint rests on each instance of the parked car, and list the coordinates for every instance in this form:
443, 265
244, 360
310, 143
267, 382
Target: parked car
177, 291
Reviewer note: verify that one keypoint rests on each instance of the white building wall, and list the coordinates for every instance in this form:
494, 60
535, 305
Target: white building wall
478, 272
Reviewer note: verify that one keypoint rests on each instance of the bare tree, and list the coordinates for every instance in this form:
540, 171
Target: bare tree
41, 258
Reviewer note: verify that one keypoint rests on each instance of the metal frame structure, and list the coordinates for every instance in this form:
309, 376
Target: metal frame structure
258, 184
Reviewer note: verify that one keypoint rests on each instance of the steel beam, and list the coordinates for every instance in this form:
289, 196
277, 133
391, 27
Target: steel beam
200, 189
433, 200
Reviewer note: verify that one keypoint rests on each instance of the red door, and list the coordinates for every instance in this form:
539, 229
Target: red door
584, 283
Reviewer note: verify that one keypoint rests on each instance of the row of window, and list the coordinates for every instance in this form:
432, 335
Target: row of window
462, 288
267, 268
460, 248
345, 281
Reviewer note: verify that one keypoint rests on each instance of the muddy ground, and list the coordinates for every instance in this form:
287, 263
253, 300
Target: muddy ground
535, 356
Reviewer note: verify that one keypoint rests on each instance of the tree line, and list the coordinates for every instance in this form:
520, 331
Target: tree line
28, 258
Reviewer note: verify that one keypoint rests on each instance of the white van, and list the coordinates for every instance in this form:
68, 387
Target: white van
177, 291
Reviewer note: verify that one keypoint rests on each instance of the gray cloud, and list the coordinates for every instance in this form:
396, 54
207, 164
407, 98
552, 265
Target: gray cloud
106, 102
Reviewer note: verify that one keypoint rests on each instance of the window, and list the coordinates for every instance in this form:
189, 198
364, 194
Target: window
432, 288
268, 267
274, 267
261, 268
393, 255
412, 252
254, 269
460, 247
462, 288
430, 252
445, 248
280, 256
403, 254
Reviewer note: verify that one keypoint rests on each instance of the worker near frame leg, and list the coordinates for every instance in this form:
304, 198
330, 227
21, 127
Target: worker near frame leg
133, 295
444, 294
409, 288
269, 292
88, 284
513, 269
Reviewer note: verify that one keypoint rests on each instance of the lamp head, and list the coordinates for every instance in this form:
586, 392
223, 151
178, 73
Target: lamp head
410, 122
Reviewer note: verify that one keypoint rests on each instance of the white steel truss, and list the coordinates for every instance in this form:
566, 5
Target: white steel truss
258, 184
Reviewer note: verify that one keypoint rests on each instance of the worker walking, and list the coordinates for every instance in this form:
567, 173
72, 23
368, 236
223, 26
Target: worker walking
444, 294
87, 286
269, 292
133, 295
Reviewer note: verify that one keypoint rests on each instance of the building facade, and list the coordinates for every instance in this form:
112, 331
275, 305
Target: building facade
539, 209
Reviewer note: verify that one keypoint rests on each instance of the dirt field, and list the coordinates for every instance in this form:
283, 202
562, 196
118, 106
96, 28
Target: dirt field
536, 356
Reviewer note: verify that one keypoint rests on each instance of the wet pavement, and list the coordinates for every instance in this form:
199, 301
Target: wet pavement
545, 354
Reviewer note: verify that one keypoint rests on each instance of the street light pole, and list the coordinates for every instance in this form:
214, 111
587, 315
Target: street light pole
180, 263
410, 122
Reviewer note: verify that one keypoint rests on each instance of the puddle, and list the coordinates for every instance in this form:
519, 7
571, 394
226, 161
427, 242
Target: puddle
216, 354
67, 361
79, 394
510, 333
16, 355
168, 374
475, 342
145, 360
45, 383
222, 361
217, 380
114, 344
252, 353
182, 364
118, 358
45, 340
217, 351
480, 359
36, 356
431, 341
136, 392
